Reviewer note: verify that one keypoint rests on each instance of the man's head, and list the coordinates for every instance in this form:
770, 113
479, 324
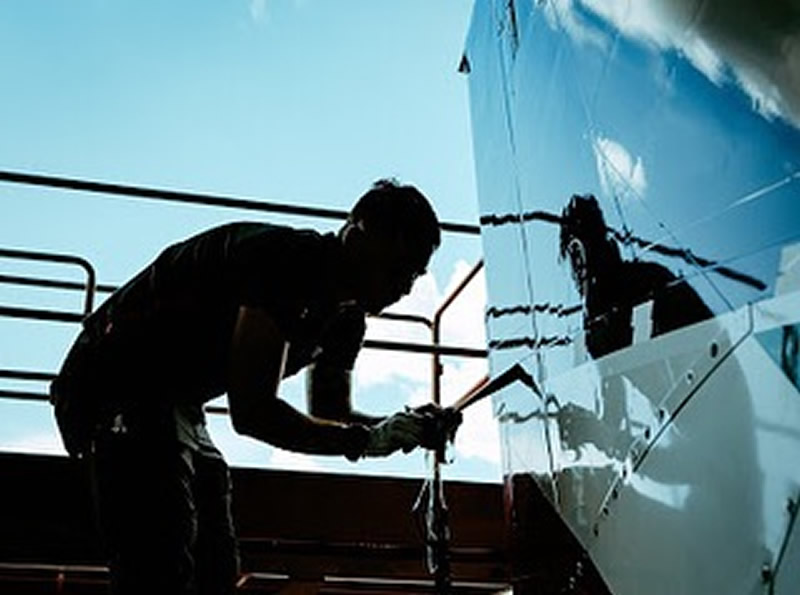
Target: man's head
584, 241
389, 237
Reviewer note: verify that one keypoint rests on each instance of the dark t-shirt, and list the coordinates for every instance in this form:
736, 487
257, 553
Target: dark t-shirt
610, 302
167, 332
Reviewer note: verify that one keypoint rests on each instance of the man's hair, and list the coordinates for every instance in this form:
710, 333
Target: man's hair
583, 219
392, 208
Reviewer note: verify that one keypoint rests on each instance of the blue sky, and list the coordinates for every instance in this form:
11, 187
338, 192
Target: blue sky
297, 101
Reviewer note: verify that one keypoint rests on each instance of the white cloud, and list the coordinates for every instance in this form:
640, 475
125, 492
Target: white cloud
620, 174
479, 434
375, 367
667, 27
463, 322
755, 45
562, 14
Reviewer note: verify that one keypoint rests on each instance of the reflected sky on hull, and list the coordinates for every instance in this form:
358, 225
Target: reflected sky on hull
750, 43
610, 99
682, 119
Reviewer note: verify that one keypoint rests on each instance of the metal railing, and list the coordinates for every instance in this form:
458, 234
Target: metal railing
436, 349
51, 257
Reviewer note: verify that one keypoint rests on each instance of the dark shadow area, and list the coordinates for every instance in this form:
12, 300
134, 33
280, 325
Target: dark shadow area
612, 287
547, 559
331, 533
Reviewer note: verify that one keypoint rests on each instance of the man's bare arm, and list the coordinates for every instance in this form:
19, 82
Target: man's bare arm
257, 358
328, 395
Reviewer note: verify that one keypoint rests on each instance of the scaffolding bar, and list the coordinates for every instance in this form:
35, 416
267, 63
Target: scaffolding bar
195, 198
46, 283
41, 314
435, 349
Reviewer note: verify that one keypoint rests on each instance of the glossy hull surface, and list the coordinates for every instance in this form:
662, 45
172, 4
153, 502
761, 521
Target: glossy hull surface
658, 311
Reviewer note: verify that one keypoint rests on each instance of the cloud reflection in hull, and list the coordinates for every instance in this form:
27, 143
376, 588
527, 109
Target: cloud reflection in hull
751, 43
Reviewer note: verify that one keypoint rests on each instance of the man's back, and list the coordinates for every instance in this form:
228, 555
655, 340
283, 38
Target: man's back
169, 328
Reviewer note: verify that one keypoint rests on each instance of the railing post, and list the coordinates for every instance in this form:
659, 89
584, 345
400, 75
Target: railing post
438, 527
436, 331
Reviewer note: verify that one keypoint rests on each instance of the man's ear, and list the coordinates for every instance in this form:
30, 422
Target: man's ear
353, 234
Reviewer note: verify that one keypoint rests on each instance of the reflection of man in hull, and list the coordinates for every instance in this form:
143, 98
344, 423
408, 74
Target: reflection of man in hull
611, 287
675, 491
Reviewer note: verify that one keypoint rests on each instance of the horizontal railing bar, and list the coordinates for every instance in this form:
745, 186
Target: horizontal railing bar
23, 395
197, 198
59, 316
45, 257
52, 283
26, 375
425, 348
36, 376
55, 568
41, 282
41, 314
76, 286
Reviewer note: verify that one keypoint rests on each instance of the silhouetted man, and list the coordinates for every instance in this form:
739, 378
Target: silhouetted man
232, 310
611, 287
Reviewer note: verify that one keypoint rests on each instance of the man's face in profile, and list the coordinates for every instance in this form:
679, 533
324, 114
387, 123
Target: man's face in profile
387, 271
576, 253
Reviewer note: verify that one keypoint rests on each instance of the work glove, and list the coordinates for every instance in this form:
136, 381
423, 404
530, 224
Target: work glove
439, 424
401, 431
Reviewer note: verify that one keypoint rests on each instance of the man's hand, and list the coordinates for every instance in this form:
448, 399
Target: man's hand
439, 424
428, 426
401, 431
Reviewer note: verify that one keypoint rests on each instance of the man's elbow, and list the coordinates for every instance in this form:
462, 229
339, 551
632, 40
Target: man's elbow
245, 420
328, 395
340, 414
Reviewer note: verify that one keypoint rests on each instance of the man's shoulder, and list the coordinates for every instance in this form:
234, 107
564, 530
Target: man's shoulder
645, 275
287, 263
647, 267
242, 243
251, 232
